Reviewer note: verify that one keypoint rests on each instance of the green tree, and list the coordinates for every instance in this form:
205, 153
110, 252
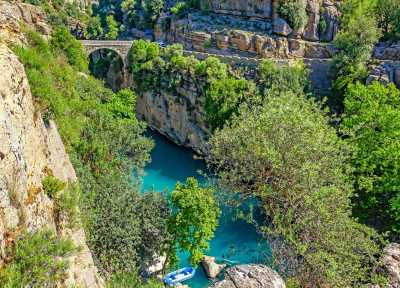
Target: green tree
372, 125
285, 154
112, 28
355, 41
94, 30
388, 17
294, 77
193, 221
223, 97
153, 9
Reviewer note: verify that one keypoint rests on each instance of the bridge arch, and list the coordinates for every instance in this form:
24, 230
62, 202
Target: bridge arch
121, 48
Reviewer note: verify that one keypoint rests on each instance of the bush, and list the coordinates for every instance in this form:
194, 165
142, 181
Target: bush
52, 186
271, 77
129, 280
294, 12
35, 261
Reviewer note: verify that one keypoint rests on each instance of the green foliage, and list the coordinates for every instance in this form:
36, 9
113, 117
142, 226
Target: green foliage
52, 185
179, 9
94, 29
60, 13
223, 98
66, 198
388, 17
355, 41
271, 77
35, 261
372, 125
285, 154
105, 142
153, 9
112, 28
62, 42
193, 221
129, 280
294, 11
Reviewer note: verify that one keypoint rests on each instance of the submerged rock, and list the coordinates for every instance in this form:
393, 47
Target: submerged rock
250, 276
211, 267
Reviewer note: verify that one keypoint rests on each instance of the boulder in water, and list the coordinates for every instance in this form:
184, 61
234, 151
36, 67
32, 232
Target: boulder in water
250, 276
212, 268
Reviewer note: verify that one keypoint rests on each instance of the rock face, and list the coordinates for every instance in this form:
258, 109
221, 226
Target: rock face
391, 262
29, 149
12, 14
385, 73
281, 27
212, 268
330, 16
178, 116
250, 276
249, 8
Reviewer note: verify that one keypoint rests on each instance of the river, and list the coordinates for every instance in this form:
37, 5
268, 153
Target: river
235, 240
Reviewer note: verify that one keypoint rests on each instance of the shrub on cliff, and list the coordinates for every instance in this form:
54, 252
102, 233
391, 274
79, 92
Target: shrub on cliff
294, 11
285, 154
372, 125
36, 261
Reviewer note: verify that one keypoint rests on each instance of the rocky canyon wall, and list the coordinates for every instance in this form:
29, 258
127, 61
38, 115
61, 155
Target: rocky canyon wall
178, 115
29, 149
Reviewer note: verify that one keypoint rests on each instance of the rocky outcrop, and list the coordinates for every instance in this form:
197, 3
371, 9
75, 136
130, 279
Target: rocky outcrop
387, 51
387, 72
391, 262
330, 16
13, 14
212, 268
177, 115
250, 276
312, 26
29, 149
248, 8
281, 27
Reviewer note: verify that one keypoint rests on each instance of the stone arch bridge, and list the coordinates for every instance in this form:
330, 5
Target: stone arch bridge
122, 48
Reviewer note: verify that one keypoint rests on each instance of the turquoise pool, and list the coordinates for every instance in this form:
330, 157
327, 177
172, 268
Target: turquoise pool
235, 241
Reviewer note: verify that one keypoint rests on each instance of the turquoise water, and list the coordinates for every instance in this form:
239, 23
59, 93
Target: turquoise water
235, 241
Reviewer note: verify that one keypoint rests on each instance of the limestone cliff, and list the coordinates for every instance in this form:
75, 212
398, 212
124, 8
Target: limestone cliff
177, 115
28, 150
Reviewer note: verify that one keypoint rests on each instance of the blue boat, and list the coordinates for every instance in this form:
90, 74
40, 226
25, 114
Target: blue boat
179, 276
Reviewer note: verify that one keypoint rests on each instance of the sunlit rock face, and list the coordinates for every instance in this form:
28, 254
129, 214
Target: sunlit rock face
249, 8
250, 276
